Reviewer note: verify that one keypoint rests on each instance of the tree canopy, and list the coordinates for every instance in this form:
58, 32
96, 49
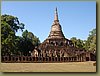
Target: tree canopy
12, 44
89, 44
91, 40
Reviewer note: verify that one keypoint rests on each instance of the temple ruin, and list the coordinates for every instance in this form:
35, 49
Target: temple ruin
55, 48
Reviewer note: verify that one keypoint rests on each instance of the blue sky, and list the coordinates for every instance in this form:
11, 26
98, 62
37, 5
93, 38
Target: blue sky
76, 18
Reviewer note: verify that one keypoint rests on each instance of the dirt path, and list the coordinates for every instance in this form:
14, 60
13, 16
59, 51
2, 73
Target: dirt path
48, 67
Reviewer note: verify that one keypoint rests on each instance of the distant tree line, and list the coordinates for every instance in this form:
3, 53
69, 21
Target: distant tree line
23, 45
89, 44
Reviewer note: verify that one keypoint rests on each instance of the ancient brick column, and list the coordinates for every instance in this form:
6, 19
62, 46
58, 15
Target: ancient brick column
11, 59
7, 58
77, 58
21, 58
25, 59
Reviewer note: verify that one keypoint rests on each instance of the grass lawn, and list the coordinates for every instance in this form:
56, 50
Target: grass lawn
48, 67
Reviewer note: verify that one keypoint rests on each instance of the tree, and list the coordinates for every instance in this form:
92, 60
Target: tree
89, 44
86, 45
12, 44
13, 22
29, 35
77, 42
7, 36
91, 40
74, 40
30, 41
9, 26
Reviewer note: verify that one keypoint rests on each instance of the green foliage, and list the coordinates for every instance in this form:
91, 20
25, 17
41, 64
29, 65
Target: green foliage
89, 44
91, 40
23, 46
13, 22
77, 42
30, 36
74, 40
12, 44
30, 41
7, 38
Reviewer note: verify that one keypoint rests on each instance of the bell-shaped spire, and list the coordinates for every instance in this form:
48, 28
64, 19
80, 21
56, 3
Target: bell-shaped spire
56, 30
56, 15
